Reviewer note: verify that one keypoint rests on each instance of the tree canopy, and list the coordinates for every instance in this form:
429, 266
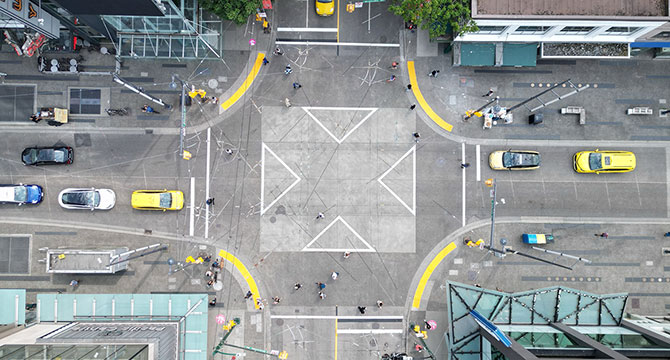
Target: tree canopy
237, 11
439, 16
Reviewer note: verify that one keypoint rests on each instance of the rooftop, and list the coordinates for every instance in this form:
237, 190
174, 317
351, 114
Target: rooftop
591, 8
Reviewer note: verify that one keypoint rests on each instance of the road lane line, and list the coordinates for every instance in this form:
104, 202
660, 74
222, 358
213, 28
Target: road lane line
419, 98
418, 293
245, 274
338, 317
299, 29
334, 43
209, 138
246, 84
463, 171
479, 158
191, 231
372, 331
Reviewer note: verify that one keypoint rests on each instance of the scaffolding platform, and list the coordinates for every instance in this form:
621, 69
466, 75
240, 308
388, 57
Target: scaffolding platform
79, 261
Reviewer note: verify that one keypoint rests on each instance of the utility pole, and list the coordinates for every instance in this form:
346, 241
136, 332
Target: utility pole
229, 328
492, 183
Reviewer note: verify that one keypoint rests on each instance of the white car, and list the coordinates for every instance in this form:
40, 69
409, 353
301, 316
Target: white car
87, 199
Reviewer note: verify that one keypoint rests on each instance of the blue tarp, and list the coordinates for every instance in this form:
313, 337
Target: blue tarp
649, 44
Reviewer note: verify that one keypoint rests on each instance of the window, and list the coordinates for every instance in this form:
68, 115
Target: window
531, 30
621, 30
491, 29
576, 30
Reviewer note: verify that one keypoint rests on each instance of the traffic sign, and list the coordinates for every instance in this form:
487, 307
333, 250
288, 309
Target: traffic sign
252, 42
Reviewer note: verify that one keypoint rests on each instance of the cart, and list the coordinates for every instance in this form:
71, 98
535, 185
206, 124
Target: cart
54, 116
538, 239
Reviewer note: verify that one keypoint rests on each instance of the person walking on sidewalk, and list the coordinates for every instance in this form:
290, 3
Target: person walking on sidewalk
288, 69
296, 85
334, 275
148, 109
409, 87
321, 286
433, 73
361, 309
265, 61
488, 93
416, 136
603, 235
248, 295
412, 107
297, 286
391, 79
320, 216
278, 51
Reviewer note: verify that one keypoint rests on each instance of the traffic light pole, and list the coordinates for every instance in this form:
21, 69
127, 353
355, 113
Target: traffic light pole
232, 325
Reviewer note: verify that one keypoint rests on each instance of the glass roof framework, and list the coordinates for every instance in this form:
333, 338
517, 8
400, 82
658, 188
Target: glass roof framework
176, 34
536, 307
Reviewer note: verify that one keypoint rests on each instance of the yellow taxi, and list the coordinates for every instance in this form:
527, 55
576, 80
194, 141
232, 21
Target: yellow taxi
325, 7
514, 160
607, 161
157, 200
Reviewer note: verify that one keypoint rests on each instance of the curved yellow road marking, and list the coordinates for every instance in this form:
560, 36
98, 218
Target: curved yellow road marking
246, 84
245, 273
429, 271
419, 98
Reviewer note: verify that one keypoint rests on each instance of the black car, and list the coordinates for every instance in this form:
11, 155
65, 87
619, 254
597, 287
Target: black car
47, 155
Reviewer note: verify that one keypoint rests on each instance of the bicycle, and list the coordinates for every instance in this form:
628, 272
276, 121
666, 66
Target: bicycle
119, 112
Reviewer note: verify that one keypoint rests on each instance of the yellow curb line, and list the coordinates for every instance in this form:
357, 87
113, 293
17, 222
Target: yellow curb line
246, 84
245, 273
424, 105
429, 271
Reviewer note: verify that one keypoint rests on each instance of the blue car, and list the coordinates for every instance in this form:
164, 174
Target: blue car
21, 194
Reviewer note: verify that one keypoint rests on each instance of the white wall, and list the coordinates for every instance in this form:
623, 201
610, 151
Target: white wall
552, 35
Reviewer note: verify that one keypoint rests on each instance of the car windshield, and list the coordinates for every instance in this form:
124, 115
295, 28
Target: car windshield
515, 159
325, 1
20, 193
595, 161
166, 201
84, 198
30, 157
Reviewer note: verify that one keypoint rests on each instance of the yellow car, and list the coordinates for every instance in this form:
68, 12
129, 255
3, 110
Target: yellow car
325, 7
603, 161
157, 200
514, 160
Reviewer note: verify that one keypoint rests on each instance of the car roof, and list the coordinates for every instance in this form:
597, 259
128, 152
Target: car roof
147, 199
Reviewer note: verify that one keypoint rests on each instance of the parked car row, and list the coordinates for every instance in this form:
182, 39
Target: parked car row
596, 161
82, 198
92, 198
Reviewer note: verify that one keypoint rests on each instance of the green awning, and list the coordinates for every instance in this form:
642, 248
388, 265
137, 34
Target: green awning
519, 54
478, 54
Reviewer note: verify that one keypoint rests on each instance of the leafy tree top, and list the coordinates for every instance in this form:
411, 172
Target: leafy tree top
439, 16
237, 11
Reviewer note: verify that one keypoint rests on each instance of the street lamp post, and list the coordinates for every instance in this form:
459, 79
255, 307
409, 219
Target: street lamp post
182, 130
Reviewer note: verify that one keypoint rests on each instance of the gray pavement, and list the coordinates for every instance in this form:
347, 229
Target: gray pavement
325, 154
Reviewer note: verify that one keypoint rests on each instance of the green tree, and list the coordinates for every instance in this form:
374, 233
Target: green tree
439, 16
237, 11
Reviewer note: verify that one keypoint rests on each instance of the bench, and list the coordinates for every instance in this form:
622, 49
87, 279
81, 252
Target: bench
578, 110
640, 111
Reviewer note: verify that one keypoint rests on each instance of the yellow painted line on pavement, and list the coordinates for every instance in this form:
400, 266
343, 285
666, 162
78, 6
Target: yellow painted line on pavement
338, 40
419, 98
246, 84
429, 271
245, 273
335, 339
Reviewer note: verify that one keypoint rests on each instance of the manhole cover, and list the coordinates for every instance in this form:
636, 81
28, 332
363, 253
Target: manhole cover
472, 275
375, 325
213, 83
373, 343
281, 210
279, 322
635, 303
273, 219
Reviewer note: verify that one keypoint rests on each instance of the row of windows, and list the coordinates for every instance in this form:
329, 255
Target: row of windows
566, 30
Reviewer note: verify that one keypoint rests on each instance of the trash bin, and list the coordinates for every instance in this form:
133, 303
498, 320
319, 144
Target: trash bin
535, 119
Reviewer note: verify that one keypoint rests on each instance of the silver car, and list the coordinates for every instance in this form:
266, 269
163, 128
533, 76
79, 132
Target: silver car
87, 199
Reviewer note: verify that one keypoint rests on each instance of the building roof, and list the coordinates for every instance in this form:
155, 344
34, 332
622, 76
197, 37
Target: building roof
590, 8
